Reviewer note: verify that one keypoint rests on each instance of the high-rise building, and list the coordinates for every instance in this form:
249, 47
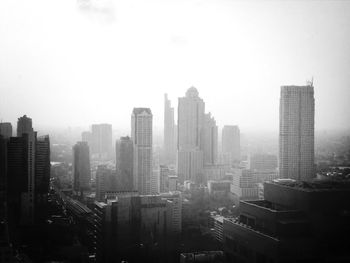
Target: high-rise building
231, 143
296, 133
6, 129
28, 174
42, 176
190, 126
24, 125
101, 140
81, 166
141, 135
86, 136
124, 163
210, 140
169, 132
106, 181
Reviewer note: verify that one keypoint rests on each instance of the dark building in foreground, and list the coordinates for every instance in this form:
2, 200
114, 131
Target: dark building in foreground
297, 221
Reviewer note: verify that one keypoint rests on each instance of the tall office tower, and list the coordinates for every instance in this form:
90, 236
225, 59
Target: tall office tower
42, 176
190, 125
169, 132
6, 129
106, 181
124, 163
21, 167
296, 137
101, 140
24, 125
86, 136
231, 143
210, 140
141, 135
81, 166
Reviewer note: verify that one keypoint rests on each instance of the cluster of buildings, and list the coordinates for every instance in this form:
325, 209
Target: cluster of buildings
138, 204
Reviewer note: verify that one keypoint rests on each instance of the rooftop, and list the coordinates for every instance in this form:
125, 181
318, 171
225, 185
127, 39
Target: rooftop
315, 185
137, 111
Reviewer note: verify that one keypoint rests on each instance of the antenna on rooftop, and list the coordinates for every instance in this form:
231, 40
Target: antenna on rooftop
310, 82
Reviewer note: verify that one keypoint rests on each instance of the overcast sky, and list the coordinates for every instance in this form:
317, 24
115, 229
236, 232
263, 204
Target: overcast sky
73, 63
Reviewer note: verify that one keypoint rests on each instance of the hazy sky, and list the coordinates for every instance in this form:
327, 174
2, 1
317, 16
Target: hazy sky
73, 63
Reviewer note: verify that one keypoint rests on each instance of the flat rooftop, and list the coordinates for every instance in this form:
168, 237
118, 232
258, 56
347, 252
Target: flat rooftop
315, 185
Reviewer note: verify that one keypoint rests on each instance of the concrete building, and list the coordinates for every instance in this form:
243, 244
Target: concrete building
42, 177
167, 179
106, 181
219, 189
27, 174
216, 172
24, 125
174, 213
141, 135
101, 141
6, 129
81, 167
152, 219
231, 144
190, 125
169, 132
262, 162
244, 184
124, 162
210, 140
296, 132
297, 222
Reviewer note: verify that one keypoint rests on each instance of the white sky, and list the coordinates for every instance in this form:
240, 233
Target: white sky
73, 63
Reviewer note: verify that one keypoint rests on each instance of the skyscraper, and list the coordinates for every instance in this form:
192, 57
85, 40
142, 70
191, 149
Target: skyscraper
210, 140
101, 140
190, 125
28, 167
24, 125
231, 143
169, 132
124, 163
6, 129
296, 135
42, 176
141, 135
81, 166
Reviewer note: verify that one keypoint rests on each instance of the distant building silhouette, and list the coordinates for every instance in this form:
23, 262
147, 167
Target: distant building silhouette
169, 133
124, 163
296, 132
231, 144
101, 140
190, 125
141, 135
81, 167
6, 129
210, 140
24, 125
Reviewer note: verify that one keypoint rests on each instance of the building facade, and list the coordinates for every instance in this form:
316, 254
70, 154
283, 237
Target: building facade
169, 133
296, 132
141, 135
190, 126
81, 167
231, 144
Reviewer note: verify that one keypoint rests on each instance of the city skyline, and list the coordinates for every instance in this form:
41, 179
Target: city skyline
237, 69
